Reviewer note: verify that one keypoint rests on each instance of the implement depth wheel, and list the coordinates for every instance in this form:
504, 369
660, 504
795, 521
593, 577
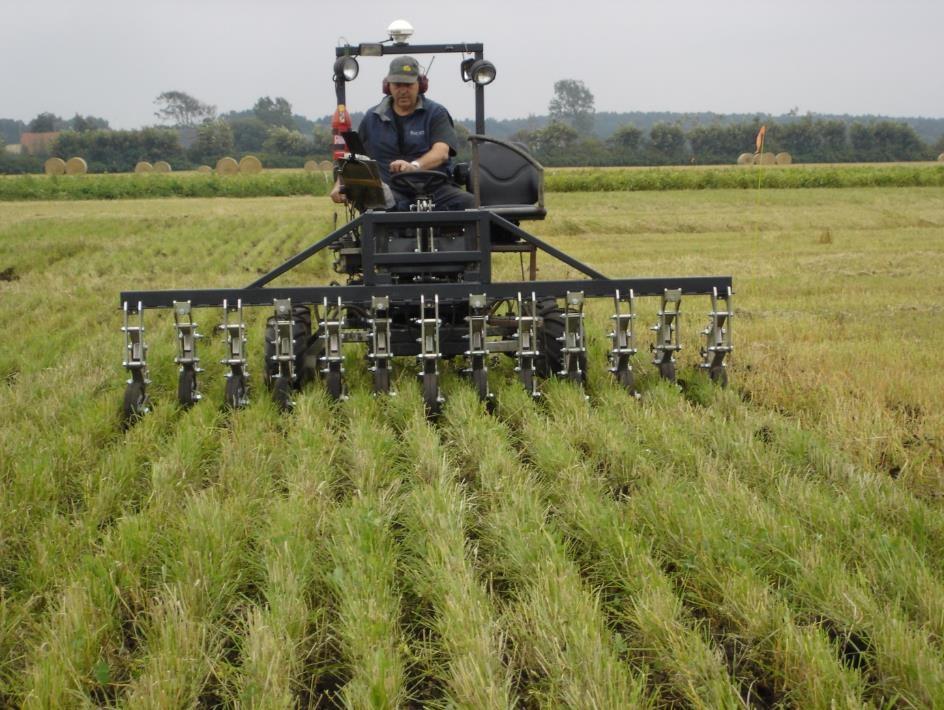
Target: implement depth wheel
135, 403
187, 387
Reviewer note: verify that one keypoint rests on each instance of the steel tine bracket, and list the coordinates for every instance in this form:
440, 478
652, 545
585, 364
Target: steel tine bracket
187, 359
573, 338
380, 354
430, 353
332, 358
135, 362
284, 354
478, 344
527, 350
235, 334
623, 339
667, 333
718, 342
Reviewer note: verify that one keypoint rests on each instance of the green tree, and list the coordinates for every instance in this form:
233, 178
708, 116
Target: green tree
572, 104
624, 145
182, 109
214, 140
87, 123
248, 134
45, 123
667, 144
277, 112
284, 141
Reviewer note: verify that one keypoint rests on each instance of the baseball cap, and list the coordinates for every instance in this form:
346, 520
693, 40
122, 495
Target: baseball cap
404, 70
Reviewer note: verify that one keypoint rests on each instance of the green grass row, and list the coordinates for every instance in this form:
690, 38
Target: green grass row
291, 183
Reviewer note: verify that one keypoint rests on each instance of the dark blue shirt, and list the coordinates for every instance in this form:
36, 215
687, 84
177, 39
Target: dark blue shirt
385, 142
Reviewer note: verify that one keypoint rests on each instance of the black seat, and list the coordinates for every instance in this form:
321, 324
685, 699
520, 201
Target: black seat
510, 181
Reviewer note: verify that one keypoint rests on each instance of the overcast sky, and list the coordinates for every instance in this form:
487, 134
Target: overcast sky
111, 58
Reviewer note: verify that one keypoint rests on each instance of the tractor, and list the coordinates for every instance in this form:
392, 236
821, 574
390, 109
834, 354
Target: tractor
419, 283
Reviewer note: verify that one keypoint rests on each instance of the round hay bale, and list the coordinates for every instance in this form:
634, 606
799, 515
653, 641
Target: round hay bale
76, 166
311, 166
941, 157
783, 159
143, 166
326, 166
250, 165
227, 166
204, 169
162, 166
745, 159
55, 166
765, 159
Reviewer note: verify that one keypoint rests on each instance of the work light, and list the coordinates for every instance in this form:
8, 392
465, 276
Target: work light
347, 68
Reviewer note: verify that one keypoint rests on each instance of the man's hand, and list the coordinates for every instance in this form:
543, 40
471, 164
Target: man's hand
336, 194
402, 166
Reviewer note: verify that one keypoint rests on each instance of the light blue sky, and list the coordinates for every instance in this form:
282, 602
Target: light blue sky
113, 57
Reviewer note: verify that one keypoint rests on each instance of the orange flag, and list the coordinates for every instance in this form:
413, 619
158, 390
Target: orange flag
760, 138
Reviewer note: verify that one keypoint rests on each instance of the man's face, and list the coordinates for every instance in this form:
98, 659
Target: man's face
404, 96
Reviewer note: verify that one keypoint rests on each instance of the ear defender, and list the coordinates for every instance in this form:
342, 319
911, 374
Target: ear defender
423, 81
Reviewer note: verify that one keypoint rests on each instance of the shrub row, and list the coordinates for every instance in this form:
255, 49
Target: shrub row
632, 179
111, 187
115, 187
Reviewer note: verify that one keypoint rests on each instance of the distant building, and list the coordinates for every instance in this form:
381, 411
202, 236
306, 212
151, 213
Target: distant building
37, 143
14, 148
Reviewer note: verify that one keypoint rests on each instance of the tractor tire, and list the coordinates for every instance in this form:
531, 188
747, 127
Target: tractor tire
551, 360
135, 402
235, 391
187, 387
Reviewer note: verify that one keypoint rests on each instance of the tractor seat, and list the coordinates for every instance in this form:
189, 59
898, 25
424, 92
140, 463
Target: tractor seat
511, 182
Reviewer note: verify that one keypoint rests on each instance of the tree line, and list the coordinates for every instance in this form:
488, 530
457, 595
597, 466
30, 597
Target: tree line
568, 136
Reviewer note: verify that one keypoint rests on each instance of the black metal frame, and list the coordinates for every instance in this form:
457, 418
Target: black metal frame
259, 293
474, 48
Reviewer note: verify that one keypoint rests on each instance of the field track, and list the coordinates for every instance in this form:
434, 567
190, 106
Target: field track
777, 543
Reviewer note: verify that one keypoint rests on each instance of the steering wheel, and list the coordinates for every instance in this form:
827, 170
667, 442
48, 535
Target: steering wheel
418, 182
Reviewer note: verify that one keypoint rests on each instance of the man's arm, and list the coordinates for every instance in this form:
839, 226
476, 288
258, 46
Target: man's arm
430, 160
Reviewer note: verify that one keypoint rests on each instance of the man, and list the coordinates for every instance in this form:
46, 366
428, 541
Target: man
407, 132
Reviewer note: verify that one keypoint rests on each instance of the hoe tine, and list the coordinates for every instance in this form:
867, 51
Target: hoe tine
283, 355
527, 343
430, 353
623, 339
573, 350
478, 345
135, 361
332, 356
187, 336
667, 333
237, 379
380, 353
718, 338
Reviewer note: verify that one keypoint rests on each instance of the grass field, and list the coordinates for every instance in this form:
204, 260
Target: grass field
777, 543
